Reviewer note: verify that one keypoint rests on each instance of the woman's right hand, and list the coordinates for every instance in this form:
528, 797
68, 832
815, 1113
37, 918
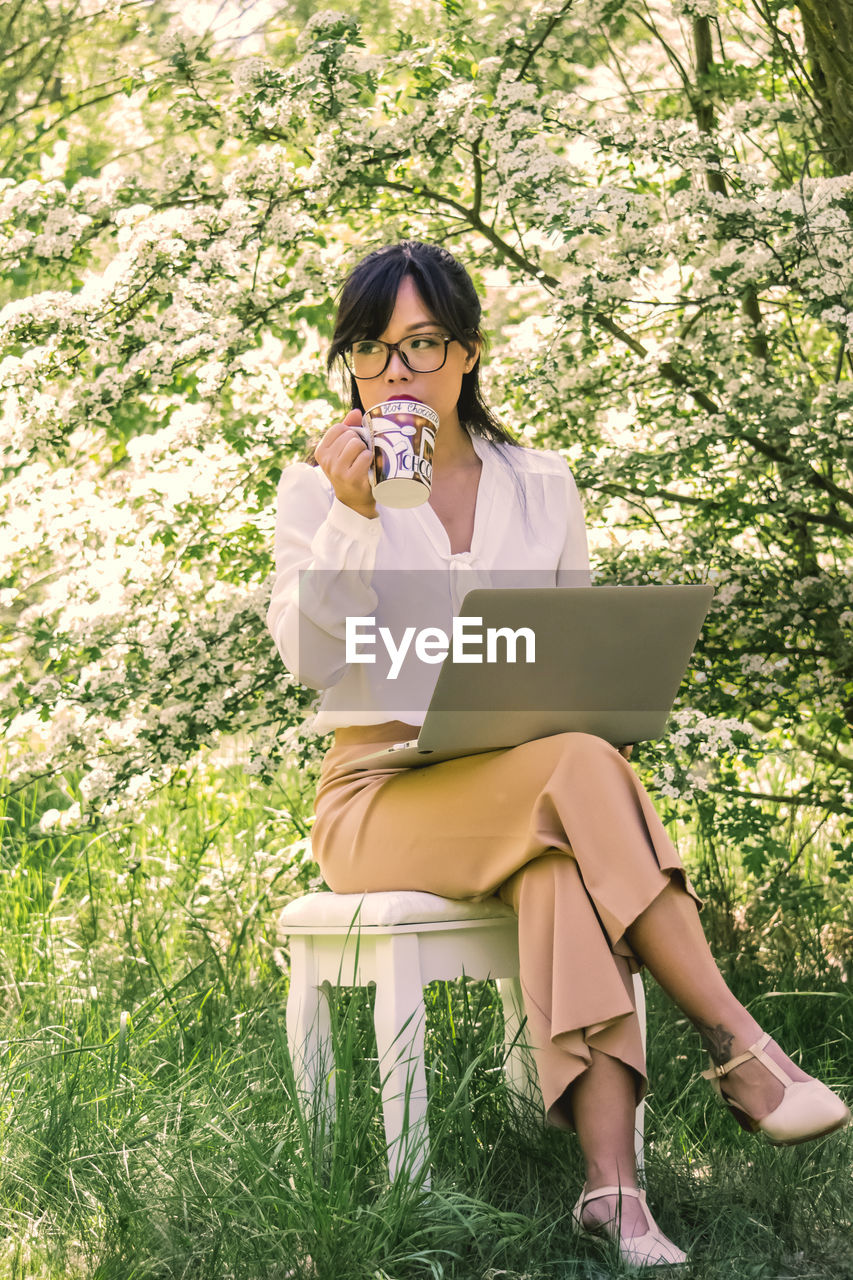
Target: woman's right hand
343, 456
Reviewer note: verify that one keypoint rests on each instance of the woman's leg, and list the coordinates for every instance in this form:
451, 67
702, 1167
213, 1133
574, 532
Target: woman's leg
669, 939
604, 1110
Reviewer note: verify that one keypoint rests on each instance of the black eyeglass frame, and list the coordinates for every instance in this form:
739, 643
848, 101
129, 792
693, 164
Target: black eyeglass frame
396, 346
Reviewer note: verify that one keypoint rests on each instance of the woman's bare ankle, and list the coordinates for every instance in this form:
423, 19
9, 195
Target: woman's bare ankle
727, 1039
609, 1172
750, 1085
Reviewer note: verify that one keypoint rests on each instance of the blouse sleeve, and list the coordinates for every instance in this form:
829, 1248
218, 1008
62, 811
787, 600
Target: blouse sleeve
573, 565
324, 558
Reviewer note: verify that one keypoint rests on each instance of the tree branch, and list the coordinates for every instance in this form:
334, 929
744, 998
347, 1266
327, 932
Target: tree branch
673, 57
552, 23
714, 504
822, 802
703, 109
815, 479
478, 177
831, 754
667, 369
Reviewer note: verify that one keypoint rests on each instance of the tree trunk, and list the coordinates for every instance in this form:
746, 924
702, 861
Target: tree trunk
703, 108
828, 27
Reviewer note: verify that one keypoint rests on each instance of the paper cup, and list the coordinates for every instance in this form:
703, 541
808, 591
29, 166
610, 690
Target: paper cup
402, 436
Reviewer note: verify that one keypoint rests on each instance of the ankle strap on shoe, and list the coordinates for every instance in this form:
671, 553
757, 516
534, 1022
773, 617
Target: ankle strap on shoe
714, 1073
612, 1191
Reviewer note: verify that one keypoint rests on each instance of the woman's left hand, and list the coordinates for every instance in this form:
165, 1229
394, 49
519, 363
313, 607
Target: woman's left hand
626, 750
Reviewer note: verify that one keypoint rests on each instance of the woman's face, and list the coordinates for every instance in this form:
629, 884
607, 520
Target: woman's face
440, 389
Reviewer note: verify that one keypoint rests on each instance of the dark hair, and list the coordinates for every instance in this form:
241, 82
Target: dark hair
367, 299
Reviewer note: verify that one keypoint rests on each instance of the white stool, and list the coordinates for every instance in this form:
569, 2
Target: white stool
402, 940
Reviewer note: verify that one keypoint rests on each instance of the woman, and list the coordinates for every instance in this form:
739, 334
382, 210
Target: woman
560, 827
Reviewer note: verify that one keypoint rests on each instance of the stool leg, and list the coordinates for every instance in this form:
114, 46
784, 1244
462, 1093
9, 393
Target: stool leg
308, 1028
520, 1068
399, 1020
640, 1122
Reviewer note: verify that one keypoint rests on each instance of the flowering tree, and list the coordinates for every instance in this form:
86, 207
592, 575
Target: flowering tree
655, 198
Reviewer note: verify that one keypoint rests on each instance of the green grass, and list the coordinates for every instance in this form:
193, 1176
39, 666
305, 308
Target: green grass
151, 1128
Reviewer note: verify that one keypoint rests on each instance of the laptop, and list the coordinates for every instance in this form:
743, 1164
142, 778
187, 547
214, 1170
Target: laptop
603, 660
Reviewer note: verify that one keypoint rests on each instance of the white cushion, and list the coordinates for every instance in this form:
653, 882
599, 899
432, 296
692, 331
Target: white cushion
400, 906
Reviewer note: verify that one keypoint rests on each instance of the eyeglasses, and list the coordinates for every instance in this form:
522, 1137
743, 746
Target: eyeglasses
422, 353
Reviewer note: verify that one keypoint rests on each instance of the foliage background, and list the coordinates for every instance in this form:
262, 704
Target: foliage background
656, 200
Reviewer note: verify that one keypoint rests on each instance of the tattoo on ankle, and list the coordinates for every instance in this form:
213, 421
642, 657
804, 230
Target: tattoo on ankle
717, 1040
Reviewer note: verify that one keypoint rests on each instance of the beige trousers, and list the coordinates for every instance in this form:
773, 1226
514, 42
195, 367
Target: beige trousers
561, 829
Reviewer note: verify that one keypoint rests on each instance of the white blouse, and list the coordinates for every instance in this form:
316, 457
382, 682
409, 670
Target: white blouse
331, 564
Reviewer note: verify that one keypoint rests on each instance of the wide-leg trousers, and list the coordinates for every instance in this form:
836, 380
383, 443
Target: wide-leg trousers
560, 828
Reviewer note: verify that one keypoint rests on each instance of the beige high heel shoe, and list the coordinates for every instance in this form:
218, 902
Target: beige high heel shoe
808, 1108
652, 1249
